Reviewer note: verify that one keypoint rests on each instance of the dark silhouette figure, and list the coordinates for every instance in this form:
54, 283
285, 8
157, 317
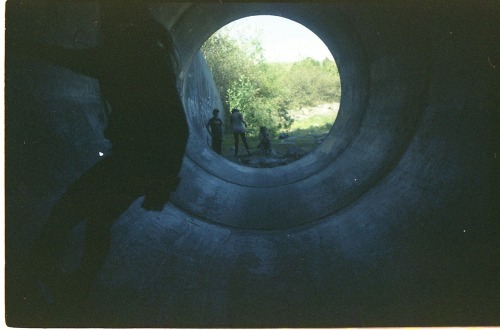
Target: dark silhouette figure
147, 128
237, 123
214, 127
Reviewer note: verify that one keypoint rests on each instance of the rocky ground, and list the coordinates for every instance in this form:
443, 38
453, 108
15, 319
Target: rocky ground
284, 151
266, 161
293, 146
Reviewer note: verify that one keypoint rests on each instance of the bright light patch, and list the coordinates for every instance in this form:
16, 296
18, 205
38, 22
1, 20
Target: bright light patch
283, 40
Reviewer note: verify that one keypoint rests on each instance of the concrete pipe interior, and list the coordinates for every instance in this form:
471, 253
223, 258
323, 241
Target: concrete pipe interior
379, 226
279, 192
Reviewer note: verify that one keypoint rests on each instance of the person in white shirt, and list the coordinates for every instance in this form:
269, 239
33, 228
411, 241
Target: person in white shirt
237, 123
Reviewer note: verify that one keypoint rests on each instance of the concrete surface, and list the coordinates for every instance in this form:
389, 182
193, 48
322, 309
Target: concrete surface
391, 221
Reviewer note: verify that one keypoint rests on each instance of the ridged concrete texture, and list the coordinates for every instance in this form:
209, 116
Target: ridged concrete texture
391, 221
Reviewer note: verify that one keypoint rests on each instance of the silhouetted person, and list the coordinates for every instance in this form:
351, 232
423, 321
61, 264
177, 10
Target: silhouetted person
147, 129
214, 127
237, 123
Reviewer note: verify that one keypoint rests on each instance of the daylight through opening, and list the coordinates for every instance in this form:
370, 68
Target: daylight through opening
284, 83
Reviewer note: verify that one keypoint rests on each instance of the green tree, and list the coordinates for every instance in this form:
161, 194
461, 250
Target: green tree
266, 92
226, 60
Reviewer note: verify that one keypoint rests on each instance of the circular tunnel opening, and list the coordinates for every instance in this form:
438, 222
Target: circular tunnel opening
376, 117
283, 80
200, 101
216, 182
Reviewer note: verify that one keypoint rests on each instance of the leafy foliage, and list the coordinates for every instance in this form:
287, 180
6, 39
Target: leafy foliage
265, 92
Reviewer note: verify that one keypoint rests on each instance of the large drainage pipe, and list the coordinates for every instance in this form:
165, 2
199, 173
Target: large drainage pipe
390, 221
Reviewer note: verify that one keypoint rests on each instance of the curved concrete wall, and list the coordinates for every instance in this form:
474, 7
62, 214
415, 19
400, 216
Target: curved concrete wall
390, 221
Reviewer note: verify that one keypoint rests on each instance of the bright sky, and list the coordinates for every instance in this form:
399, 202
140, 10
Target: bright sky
283, 40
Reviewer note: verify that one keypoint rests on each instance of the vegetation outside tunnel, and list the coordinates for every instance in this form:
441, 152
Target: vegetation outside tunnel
269, 94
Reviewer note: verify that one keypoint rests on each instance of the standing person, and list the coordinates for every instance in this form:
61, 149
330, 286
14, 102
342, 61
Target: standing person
135, 67
237, 123
214, 127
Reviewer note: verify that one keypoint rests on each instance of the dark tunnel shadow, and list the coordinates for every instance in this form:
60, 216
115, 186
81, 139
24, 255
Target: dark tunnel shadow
135, 67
